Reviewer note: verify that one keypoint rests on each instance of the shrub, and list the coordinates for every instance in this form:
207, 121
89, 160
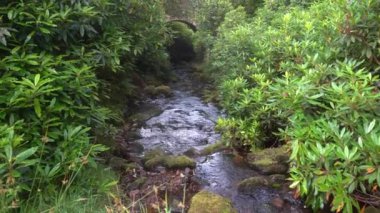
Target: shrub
285, 77
57, 59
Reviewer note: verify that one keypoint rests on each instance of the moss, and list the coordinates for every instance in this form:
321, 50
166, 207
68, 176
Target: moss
192, 152
154, 158
150, 90
270, 161
153, 153
154, 162
248, 185
252, 183
277, 178
163, 90
264, 162
179, 162
213, 148
276, 185
207, 202
157, 157
153, 91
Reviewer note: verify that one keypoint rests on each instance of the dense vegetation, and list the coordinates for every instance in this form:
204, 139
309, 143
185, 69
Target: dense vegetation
299, 73
304, 74
62, 64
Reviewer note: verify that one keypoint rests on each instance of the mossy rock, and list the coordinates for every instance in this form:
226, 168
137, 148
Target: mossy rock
270, 161
250, 184
153, 153
154, 162
164, 90
270, 167
210, 149
153, 91
145, 115
192, 152
157, 157
277, 178
179, 162
207, 202
253, 183
150, 90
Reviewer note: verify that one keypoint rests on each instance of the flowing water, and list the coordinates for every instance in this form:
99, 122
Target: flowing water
188, 122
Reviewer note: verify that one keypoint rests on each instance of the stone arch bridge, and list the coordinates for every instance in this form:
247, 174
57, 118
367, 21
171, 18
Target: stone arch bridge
181, 11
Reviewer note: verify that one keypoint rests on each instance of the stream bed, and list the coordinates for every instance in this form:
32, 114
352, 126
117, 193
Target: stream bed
186, 122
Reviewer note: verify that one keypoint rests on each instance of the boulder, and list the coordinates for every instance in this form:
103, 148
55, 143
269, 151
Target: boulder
153, 91
153, 153
250, 184
270, 161
192, 152
179, 162
207, 202
164, 90
210, 149
155, 158
253, 183
152, 163
146, 114
150, 90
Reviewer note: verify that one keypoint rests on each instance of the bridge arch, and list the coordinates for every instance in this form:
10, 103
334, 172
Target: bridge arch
189, 24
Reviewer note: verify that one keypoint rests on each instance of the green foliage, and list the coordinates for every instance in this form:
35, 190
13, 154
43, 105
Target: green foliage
59, 62
210, 14
181, 30
361, 31
249, 6
304, 73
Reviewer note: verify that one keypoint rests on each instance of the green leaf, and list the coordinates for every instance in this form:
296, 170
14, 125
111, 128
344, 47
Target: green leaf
294, 184
10, 14
8, 152
44, 30
37, 79
14, 50
54, 170
37, 107
29, 37
25, 154
110, 184
370, 127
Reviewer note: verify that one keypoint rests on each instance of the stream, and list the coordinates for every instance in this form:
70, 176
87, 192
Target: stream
185, 122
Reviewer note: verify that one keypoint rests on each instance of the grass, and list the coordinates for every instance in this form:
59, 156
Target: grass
93, 190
